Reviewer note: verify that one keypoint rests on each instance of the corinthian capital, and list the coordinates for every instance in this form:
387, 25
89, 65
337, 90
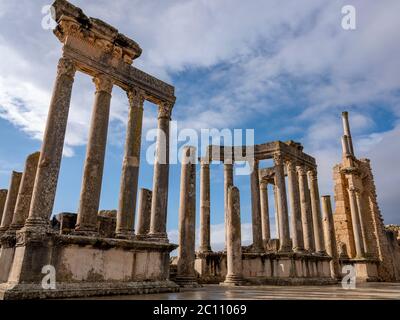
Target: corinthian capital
164, 110
103, 83
278, 159
301, 170
290, 165
66, 67
312, 172
136, 98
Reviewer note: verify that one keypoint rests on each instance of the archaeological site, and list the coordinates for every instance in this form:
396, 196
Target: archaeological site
126, 251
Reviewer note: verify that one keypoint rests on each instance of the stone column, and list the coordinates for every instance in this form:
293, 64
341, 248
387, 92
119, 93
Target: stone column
278, 236
346, 129
295, 207
130, 166
306, 215
316, 211
11, 200
228, 182
234, 274
266, 232
158, 231
362, 223
52, 147
205, 243
256, 209
187, 219
356, 223
329, 234
3, 197
284, 240
25, 192
143, 226
94, 162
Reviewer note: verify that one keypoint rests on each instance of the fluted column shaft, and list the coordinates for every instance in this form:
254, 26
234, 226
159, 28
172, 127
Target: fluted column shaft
205, 244
11, 201
228, 182
25, 192
295, 207
256, 208
144, 213
130, 166
95, 154
52, 147
187, 218
159, 203
329, 235
360, 253
306, 215
234, 274
316, 211
266, 232
284, 240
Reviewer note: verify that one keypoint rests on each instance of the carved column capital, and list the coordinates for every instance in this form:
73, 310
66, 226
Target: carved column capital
301, 170
165, 110
278, 158
313, 173
66, 67
136, 97
290, 165
103, 83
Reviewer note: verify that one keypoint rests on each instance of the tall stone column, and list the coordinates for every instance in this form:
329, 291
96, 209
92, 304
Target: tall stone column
52, 147
25, 192
234, 274
187, 220
347, 134
306, 215
256, 209
130, 166
228, 182
284, 241
316, 211
266, 232
360, 253
11, 200
94, 162
3, 197
362, 222
329, 235
158, 226
295, 207
143, 226
278, 236
205, 243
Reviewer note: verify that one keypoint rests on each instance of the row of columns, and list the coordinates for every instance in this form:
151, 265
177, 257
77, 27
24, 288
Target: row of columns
51, 153
305, 207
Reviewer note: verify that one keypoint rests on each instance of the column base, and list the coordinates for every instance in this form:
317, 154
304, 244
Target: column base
158, 237
187, 281
125, 235
233, 280
285, 249
86, 231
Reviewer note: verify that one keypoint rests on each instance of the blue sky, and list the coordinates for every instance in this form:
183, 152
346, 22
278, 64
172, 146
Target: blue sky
284, 68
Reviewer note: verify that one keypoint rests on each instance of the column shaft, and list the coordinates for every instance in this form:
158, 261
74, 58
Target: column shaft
295, 208
329, 235
306, 215
234, 274
356, 223
52, 147
316, 212
284, 240
95, 154
25, 192
130, 167
205, 243
278, 236
256, 209
11, 201
362, 222
266, 232
159, 201
187, 219
144, 213
3, 197
228, 182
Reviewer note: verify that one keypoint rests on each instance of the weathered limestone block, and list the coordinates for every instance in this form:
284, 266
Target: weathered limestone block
11, 201
25, 192
106, 223
65, 222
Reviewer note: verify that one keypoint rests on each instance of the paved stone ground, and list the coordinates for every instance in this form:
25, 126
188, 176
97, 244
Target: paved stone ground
332, 292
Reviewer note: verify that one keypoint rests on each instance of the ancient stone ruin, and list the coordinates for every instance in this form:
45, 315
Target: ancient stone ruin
97, 252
